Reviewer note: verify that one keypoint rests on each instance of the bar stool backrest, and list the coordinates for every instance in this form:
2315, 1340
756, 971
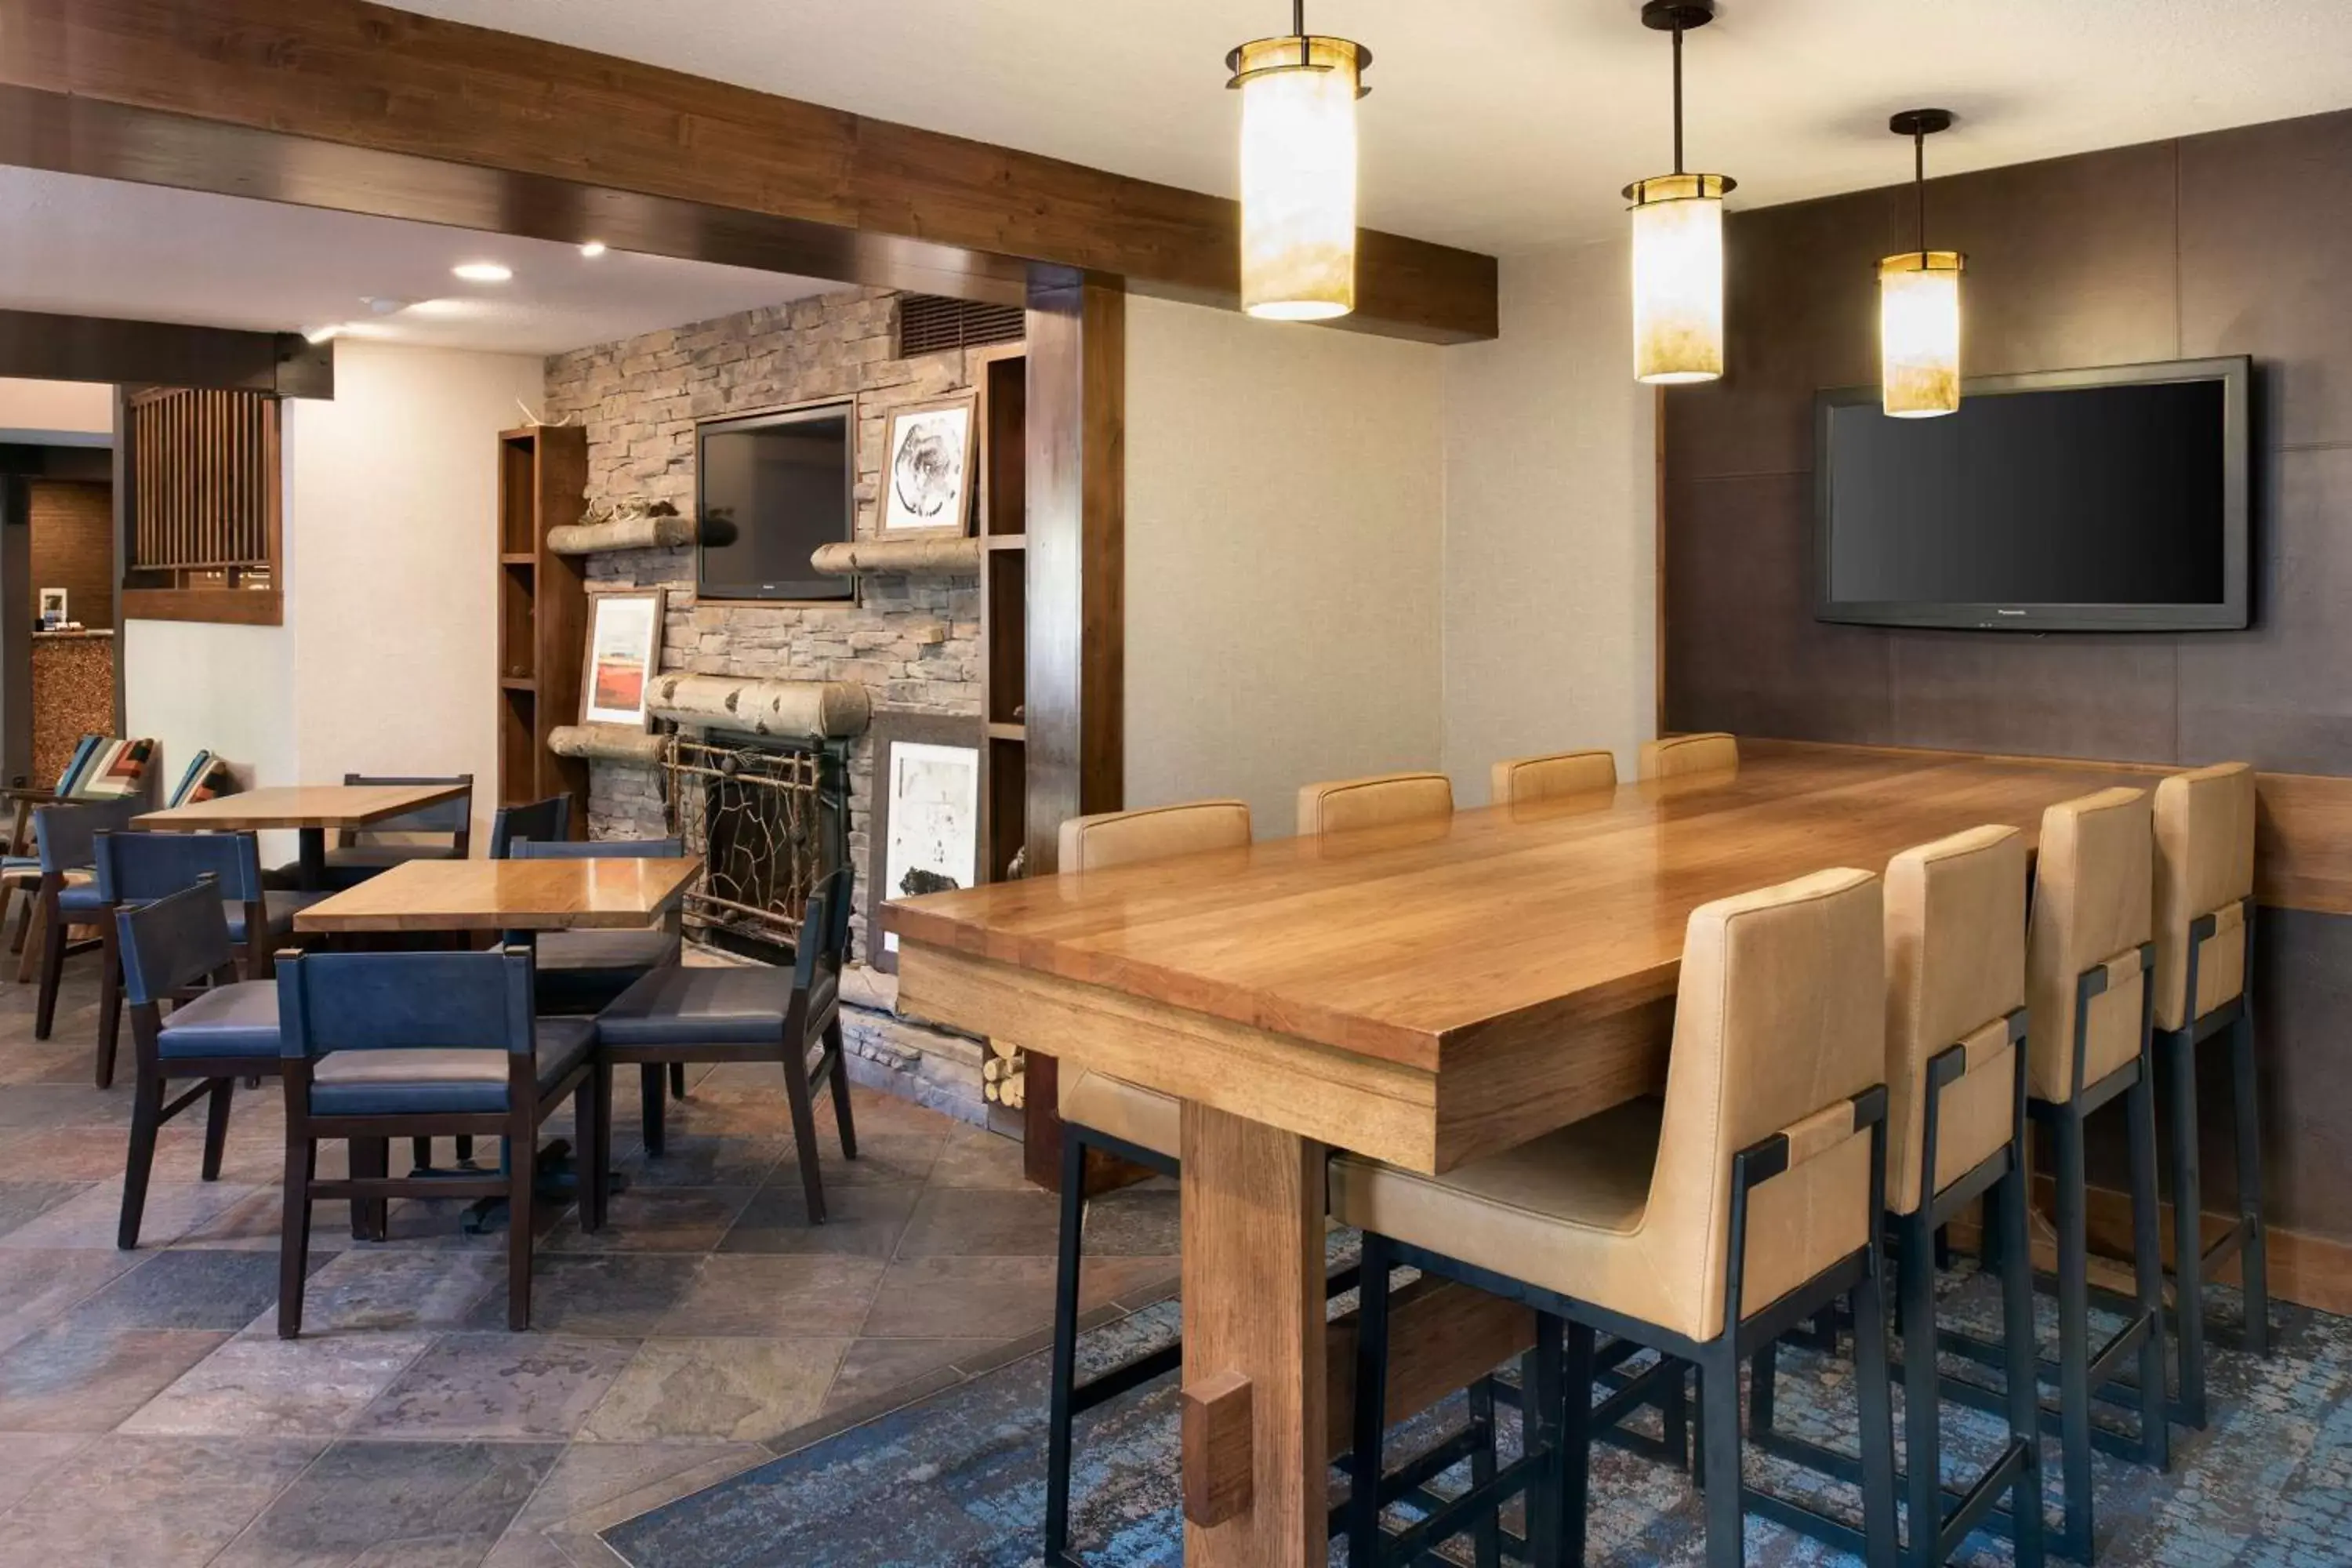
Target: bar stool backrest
1955, 972
1678, 755
1780, 1017
2093, 896
2204, 866
1523, 780
1342, 805
1111, 838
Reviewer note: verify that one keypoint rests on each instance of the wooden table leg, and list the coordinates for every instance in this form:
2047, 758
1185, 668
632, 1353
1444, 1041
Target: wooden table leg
1253, 1353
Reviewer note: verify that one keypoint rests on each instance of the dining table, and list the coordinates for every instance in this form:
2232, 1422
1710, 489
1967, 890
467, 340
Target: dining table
1421, 992
601, 893
311, 810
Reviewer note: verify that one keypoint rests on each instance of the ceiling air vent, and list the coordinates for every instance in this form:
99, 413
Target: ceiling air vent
932, 323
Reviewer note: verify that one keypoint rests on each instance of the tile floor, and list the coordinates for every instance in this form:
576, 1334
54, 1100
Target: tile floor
150, 1416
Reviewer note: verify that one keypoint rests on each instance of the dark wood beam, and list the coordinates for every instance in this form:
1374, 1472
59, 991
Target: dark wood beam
97, 348
345, 104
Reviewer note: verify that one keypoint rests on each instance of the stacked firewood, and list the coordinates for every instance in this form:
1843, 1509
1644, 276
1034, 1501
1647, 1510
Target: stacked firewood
1004, 1075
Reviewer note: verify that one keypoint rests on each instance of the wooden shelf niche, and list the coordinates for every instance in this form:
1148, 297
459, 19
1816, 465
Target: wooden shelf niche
1001, 374
543, 614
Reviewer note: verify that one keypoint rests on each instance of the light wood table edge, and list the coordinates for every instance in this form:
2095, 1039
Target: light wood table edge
173, 818
324, 918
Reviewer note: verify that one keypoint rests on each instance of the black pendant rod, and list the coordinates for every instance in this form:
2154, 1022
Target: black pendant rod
1298, 29
1919, 184
1678, 94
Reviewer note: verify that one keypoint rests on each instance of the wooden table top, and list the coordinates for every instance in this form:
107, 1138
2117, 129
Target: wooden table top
507, 895
301, 806
1404, 943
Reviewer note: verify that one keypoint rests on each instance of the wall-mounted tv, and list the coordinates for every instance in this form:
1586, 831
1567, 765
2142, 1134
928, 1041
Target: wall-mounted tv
2066, 500
769, 489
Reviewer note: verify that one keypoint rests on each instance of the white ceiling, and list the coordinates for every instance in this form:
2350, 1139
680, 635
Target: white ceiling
1507, 124
75, 246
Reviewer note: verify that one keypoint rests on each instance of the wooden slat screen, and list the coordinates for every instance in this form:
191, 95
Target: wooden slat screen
928, 323
204, 478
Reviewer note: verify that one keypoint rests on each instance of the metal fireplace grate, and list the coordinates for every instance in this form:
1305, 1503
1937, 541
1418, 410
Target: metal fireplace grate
768, 824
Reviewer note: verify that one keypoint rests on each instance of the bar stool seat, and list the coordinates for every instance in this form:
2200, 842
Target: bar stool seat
437, 1082
238, 1019
1126, 1111
707, 1005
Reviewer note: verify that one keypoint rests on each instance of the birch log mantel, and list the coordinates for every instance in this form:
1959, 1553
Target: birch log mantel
794, 710
913, 557
608, 743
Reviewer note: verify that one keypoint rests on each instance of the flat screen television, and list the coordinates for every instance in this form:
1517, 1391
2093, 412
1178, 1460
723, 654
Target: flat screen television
2066, 500
769, 489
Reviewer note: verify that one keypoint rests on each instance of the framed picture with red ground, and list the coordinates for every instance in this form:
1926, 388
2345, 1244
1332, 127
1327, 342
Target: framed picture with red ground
624, 632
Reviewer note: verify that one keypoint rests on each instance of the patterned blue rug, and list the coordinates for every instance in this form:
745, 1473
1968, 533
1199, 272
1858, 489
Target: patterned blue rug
957, 1482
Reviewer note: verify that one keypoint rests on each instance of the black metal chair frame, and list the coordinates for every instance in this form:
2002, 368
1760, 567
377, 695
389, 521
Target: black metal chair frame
1554, 1464
2017, 1473
589, 1086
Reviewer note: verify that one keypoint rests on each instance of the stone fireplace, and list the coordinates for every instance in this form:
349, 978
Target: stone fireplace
910, 643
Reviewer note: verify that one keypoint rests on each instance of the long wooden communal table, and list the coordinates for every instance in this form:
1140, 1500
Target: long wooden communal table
1422, 994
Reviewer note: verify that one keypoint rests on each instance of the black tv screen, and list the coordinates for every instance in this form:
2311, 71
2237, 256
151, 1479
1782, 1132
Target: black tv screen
2066, 501
769, 489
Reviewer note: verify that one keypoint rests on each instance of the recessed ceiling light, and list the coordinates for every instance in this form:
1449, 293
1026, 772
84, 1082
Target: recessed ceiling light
484, 271
593, 249
385, 304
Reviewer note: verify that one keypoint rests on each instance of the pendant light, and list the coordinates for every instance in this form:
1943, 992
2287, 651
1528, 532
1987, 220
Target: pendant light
1919, 301
1298, 171
1679, 242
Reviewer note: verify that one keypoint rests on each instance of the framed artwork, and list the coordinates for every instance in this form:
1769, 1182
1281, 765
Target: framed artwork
925, 835
625, 633
927, 466
53, 608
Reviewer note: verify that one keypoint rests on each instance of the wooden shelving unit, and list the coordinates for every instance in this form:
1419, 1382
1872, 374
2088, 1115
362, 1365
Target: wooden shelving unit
1002, 376
543, 614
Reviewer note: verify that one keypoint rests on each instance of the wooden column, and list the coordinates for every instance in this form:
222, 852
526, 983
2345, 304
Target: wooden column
1074, 586
1254, 1367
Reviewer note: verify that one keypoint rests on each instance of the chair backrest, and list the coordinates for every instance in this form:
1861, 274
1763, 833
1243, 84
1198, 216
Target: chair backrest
1955, 972
65, 832
133, 868
206, 777
1781, 1014
454, 817
545, 820
1677, 755
595, 848
1111, 838
2093, 893
171, 944
1523, 780
406, 1001
2204, 866
826, 919
1340, 806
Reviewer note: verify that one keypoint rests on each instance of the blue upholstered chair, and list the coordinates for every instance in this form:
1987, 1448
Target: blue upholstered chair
101, 768
583, 971
67, 896
544, 820
711, 1013
362, 852
177, 951
420, 1045
136, 867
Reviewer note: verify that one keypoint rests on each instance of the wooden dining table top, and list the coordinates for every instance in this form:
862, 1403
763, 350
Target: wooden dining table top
301, 806
614, 893
1408, 942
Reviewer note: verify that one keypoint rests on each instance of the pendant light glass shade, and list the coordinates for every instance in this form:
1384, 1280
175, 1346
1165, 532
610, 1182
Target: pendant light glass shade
1919, 332
1298, 175
1678, 278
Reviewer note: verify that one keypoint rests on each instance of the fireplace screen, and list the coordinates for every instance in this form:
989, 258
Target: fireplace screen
767, 824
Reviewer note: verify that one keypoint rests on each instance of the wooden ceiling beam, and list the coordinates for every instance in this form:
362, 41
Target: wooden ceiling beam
361, 107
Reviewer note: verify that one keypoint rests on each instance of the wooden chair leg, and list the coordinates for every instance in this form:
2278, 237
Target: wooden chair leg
2254, 1257
522, 1175
649, 1099
797, 1097
109, 1004
1063, 1372
602, 1077
371, 1218
678, 1081
585, 1140
24, 919
294, 1233
53, 971
843, 1122
217, 1110
420, 1153
36, 925
465, 1146
146, 1119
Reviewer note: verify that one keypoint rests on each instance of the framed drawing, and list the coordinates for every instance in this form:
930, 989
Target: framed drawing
53, 609
925, 833
927, 466
625, 633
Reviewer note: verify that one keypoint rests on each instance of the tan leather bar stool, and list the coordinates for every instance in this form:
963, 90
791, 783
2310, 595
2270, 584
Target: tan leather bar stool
1955, 1132
2204, 965
1676, 756
1381, 800
1524, 781
1099, 1111
1703, 1225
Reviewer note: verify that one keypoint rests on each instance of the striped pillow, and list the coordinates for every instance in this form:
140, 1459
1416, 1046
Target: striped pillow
117, 771
208, 778
84, 749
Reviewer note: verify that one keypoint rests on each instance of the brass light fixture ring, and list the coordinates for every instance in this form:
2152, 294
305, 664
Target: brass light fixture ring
1659, 188
1294, 45
1924, 261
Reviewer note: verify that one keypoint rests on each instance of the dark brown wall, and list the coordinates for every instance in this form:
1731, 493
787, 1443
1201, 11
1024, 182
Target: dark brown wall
73, 549
2239, 242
